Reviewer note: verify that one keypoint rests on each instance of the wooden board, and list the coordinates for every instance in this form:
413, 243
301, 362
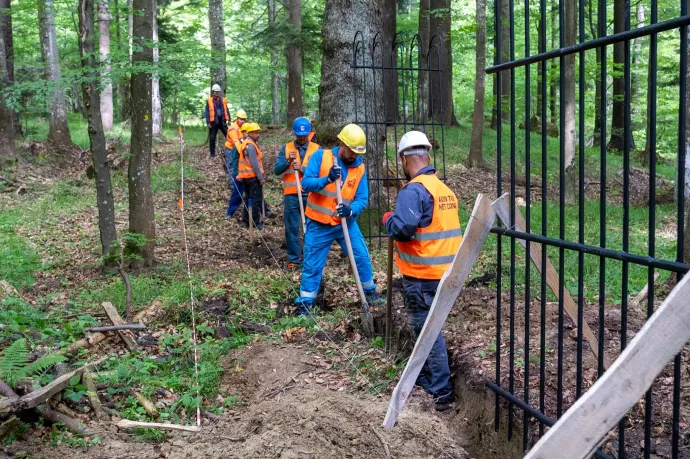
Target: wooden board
502, 208
117, 320
449, 288
578, 433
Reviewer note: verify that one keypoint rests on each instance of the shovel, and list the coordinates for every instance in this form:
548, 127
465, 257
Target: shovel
366, 317
301, 204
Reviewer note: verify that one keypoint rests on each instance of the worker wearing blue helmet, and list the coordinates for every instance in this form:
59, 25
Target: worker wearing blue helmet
291, 161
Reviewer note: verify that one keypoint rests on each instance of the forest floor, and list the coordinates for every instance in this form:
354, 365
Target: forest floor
273, 384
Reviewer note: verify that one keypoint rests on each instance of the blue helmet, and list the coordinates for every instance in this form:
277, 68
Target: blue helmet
301, 126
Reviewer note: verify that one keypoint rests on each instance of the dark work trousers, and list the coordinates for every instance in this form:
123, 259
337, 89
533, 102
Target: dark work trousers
435, 375
252, 191
213, 133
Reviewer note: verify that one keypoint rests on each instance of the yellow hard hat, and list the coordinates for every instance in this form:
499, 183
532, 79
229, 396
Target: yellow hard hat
241, 114
252, 127
353, 136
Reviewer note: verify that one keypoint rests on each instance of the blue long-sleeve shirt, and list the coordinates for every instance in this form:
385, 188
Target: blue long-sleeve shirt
220, 114
414, 209
312, 182
282, 165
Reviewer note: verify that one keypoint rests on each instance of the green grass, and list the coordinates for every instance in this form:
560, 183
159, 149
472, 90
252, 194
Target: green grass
18, 259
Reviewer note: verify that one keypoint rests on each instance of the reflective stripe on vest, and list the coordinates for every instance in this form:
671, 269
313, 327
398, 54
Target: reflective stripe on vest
321, 204
289, 184
244, 165
433, 248
212, 110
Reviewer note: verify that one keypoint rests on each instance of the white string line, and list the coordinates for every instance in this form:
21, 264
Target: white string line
282, 272
189, 279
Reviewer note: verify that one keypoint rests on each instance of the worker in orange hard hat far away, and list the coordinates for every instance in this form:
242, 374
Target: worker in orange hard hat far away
217, 117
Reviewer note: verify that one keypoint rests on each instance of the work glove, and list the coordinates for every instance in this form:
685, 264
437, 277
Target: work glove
343, 211
334, 173
386, 216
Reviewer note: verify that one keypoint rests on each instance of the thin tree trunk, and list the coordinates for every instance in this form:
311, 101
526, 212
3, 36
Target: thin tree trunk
505, 57
99, 155
554, 79
58, 130
441, 86
294, 63
645, 157
6, 114
423, 76
390, 77
126, 97
636, 63
217, 32
569, 101
597, 78
6, 27
141, 212
476, 158
157, 109
540, 96
104, 48
618, 118
275, 76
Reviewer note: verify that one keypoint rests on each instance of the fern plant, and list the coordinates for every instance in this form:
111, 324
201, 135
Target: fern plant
15, 366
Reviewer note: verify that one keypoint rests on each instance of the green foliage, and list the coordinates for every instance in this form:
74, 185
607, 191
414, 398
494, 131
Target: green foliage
15, 366
18, 259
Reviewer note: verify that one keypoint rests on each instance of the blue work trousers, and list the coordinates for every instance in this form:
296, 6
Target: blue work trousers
293, 226
418, 295
236, 187
317, 244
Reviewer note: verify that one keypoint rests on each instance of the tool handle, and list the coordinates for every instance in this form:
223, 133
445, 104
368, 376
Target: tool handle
301, 204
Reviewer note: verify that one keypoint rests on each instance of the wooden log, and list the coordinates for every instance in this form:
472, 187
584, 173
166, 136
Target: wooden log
449, 288
117, 320
146, 403
150, 309
6, 390
91, 340
108, 328
637, 301
8, 427
127, 424
502, 208
92, 393
578, 433
72, 424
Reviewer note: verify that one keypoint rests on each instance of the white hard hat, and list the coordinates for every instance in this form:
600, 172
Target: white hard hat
414, 139
216, 88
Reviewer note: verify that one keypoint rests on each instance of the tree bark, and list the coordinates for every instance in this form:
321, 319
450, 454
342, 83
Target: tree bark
476, 158
141, 212
6, 28
6, 114
104, 49
569, 102
618, 118
294, 62
340, 86
217, 32
441, 89
597, 80
99, 155
157, 109
275, 76
423, 76
58, 130
390, 77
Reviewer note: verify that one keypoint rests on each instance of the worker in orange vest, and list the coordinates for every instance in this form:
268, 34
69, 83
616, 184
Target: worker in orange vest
235, 134
324, 213
293, 157
427, 233
217, 117
251, 173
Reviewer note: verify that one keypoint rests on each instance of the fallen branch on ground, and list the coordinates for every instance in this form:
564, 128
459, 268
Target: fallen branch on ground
146, 403
117, 320
386, 448
72, 424
127, 424
8, 427
92, 393
91, 340
108, 328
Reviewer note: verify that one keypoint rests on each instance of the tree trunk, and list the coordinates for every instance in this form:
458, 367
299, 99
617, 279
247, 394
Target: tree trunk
6, 114
275, 76
340, 86
476, 156
505, 57
618, 118
217, 32
99, 155
423, 76
597, 78
636, 63
104, 48
553, 84
126, 96
141, 216
645, 157
569, 102
390, 77
58, 130
6, 27
294, 63
441, 89
157, 109
540, 96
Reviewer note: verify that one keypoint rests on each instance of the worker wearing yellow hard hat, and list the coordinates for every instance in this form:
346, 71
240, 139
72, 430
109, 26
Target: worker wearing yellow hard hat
217, 117
251, 173
324, 214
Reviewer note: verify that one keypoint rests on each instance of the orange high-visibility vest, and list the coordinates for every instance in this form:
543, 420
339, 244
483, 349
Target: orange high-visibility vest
289, 183
311, 135
212, 110
433, 248
244, 166
321, 204
235, 136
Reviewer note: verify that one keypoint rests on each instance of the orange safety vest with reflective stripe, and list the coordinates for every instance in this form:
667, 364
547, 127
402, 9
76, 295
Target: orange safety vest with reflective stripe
244, 169
321, 204
433, 248
289, 183
212, 110
235, 136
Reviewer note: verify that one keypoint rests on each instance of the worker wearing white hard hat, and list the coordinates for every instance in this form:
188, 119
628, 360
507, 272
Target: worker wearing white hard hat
217, 117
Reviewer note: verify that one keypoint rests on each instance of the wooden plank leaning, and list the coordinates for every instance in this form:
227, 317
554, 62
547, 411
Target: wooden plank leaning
578, 433
449, 288
502, 208
117, 320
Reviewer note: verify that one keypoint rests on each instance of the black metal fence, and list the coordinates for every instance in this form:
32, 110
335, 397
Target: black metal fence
546, 373
401, 73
